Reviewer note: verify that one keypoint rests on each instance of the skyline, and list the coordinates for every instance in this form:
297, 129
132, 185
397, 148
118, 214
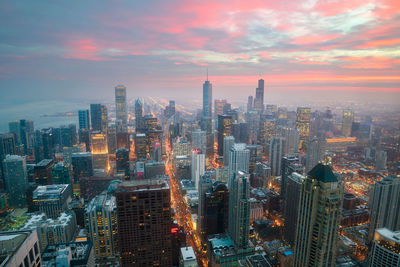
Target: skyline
81, 51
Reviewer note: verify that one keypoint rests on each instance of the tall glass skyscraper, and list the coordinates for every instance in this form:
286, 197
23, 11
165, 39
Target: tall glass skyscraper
121, 111
207, 98
259, 100
83, 116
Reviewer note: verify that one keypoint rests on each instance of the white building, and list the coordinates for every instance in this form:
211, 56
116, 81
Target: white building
198, 167
187, 257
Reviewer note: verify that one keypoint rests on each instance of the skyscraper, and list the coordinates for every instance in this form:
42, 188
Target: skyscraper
250, 103
144, 222
259, 100
289, 165
386, 248
52, 199
98, 117
348, 118
384, 203
121, 111
315, 153
139, 115
294, 183
99, 143
303, 123
198, 166
224, 129
320, 208
239, 209
83, 116
276, 152
82, 165
207, 98
15, 179
239, 158
101, 223
228, 143
199, 140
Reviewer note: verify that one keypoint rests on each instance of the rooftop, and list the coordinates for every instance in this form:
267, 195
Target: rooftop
145, 184
10, 242
258, 261
49, 190
187, 254
323, 173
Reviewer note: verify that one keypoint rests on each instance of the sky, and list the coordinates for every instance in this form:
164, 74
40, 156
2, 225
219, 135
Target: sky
51, 50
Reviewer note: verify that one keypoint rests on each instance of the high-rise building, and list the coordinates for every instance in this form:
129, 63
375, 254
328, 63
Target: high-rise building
141, 147
292, 140
320, 208
293, 188
289, 165
68, 135
303, 123
101, 224
198, 166
276, 152
99, 143
207, 98
14, 128
43, 172
213, 207
259, 100
7, 147
239, 158
84, 122
347, 121
15, 179
52, 199
98, 117
199, 140
121, 111
255, 156
27, 134
386, 248
380, 160
144, 222
228, 143
239, 209
123, 140
139, 115
267, 130
315, 153
82, 165
384, 203
122, 161
224, 129
250, 103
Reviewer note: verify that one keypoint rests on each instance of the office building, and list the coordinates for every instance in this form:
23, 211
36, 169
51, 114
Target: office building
276, 152
69, 254
7, 147
292, 140
112, 140
153, 169
267, 130
20, 248
259, 100
315, 153
213, 209
293, 188
181, 148
256, 152
198, 166
303, 123
239, 209
98, 117
224, 129
123, 140
52, 199
99, 148
43, 172
82, 165
239, 159
187, 257
250, 103
101, 224
53, 231
228, 143
347, 121
15, 180
141, 147
83, 117
199, 140
320, 208
121, 111
384, 203
14, 128
207, 98
144, 240
289, 164
385, 248
380, 160
61, 173
139, 115
122, 161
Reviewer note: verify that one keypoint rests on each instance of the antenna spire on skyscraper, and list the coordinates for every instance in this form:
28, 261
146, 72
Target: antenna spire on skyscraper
207, 73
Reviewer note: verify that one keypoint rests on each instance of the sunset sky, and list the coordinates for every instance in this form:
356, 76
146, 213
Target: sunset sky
82, 49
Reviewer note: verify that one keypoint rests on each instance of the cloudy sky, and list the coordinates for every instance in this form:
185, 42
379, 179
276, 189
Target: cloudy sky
82, 49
